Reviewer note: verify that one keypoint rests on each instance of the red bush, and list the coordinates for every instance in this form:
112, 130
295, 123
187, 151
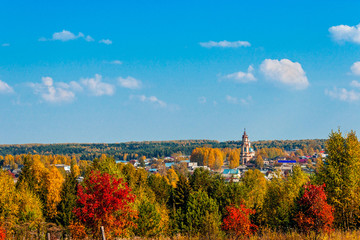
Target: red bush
315, 213
237, 222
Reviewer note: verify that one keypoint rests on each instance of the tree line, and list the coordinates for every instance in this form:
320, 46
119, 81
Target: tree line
158, 149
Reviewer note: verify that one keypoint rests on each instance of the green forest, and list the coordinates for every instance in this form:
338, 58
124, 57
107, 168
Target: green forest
150, 149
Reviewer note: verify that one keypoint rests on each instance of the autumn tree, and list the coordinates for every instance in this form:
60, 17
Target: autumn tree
280, 199
32, 173
2, 233
106, 164
51, 188
259, 161
219, 159
8, 206
341, 176
234, 158
237, 223
172, 177
30, 208
104, 200
254, 186
314, 214
18, 206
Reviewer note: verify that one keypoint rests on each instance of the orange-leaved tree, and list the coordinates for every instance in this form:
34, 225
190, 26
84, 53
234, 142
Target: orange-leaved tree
104, 200
315, 214
237, 222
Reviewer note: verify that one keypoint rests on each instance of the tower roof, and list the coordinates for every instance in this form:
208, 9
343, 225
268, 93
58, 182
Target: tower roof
245, 135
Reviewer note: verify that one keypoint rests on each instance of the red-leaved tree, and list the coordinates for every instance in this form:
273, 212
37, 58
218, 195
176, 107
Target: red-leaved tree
237, 222
315, 213
2, 233
105, 201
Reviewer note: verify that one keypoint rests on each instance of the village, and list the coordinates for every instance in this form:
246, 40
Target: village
185, 165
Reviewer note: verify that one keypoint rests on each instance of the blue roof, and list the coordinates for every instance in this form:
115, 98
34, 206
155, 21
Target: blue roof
169, 164
231, 171
121, 161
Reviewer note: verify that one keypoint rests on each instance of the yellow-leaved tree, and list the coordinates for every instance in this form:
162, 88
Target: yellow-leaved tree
234, 158
172, 177
52, 183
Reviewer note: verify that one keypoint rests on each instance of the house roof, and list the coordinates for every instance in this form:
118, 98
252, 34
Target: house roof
231, 171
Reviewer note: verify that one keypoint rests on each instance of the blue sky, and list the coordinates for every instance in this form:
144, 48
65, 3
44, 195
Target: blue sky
114, 71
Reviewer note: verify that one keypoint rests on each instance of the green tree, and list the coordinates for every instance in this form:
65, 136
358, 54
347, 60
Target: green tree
148, 221
178, 203
340, 173
68, 197
160, 187
200, 209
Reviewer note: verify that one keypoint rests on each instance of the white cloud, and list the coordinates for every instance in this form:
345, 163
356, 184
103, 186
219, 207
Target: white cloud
88, 38
97, 87
106, 41
129, 82
355, 68
231, 99
285, 72
343, 94
355, 83
242, 77
5, 44
117, 62
65, 35
202, 100
5, 88
235, 100
345, 33
225, 44
152, 99
54, 92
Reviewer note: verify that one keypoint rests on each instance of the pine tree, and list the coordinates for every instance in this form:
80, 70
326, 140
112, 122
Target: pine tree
200, 209
148, 222
67, 204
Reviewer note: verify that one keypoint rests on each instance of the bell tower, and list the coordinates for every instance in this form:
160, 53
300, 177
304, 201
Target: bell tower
246, 152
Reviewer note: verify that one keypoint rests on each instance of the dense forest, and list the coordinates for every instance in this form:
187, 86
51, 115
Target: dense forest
131, 202
157, 149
